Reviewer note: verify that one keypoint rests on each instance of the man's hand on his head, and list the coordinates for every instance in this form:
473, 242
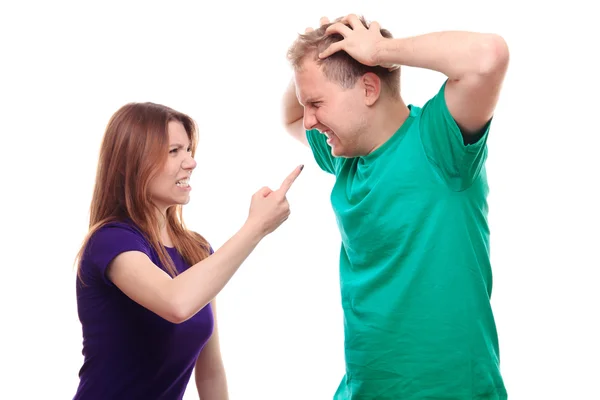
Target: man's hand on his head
358, 41
322, 21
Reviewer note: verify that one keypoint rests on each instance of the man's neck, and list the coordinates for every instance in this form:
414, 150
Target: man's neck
388, 119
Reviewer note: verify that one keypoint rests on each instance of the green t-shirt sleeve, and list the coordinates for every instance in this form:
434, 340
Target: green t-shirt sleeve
321, 151
457, 163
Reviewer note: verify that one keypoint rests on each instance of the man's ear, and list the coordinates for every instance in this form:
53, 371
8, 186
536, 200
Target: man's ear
371, 86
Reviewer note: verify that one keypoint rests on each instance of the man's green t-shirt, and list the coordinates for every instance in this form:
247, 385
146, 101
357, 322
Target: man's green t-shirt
415, 272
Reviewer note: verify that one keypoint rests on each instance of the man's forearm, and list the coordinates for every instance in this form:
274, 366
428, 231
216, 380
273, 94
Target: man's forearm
292, 109
454, 54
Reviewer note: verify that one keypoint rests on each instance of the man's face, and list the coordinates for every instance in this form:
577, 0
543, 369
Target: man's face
336, 112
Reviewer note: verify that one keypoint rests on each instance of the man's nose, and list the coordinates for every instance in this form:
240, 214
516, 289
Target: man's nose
309, 120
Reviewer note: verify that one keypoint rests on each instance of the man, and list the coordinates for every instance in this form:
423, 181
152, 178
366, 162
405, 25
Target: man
410, 202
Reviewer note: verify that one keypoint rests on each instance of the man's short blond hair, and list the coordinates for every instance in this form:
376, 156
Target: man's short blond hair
340, 67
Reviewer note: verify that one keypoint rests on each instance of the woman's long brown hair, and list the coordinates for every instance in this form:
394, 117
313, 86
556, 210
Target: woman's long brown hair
133, 151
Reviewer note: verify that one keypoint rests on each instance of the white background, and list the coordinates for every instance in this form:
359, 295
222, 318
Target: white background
65, 68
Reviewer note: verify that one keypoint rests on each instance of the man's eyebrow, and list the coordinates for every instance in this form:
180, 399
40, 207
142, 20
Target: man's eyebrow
304, 101
311, 100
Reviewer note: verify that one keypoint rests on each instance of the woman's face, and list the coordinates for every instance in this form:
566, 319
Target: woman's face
171, 186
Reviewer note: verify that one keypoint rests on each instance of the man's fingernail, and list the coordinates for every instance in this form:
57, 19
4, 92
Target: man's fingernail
301, 167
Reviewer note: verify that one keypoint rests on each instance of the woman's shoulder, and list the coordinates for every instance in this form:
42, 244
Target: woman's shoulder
118, 233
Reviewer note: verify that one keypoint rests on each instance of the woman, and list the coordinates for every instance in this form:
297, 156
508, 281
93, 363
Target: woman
146, 285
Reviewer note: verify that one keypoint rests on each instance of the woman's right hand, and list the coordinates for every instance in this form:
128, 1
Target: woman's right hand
269, 209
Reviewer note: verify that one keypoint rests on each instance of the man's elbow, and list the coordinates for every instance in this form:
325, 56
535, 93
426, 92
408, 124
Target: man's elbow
494, 55
297, 131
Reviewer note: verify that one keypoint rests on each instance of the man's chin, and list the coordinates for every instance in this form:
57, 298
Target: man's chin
340, 153
337, 153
